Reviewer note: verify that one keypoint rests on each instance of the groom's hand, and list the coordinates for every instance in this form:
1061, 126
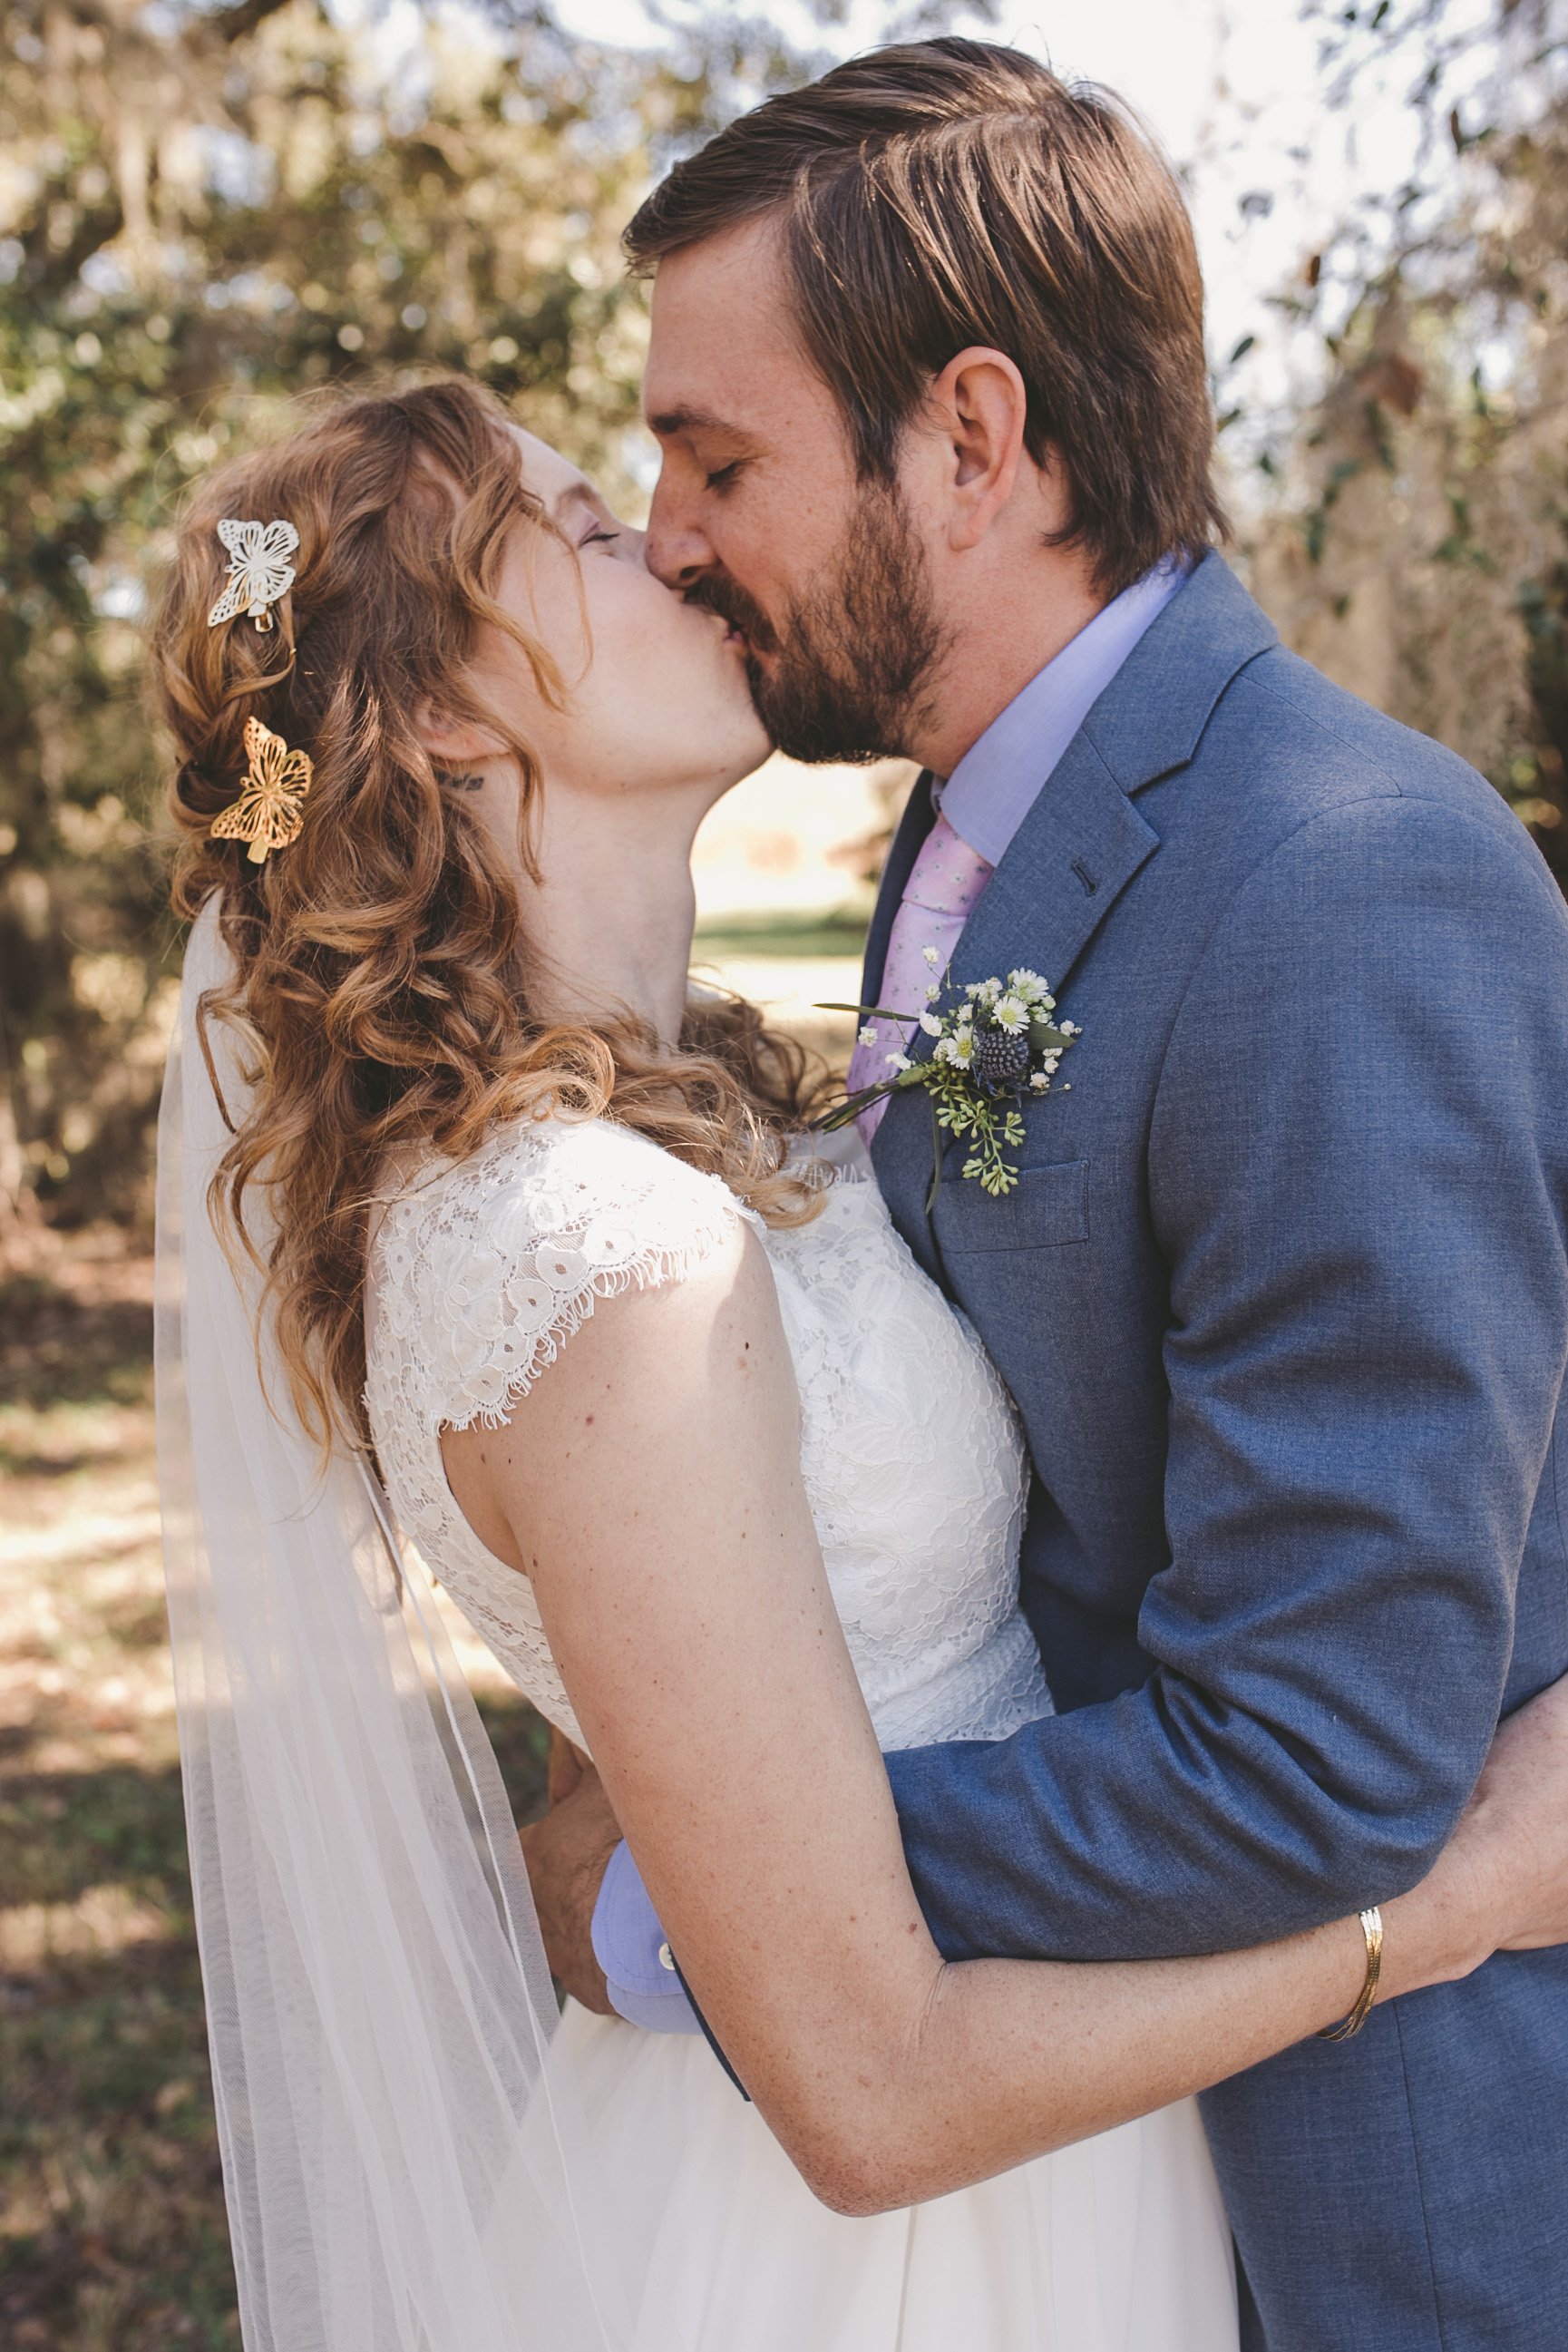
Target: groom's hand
566, 1854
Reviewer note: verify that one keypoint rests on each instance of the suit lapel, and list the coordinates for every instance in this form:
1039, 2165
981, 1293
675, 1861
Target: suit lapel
1070, 861
1081, 843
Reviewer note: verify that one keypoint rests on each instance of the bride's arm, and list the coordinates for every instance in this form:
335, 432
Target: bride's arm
650, 1486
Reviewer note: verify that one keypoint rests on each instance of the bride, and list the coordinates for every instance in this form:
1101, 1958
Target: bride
461, 1185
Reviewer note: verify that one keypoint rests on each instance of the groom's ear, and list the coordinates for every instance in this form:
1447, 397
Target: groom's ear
980, 407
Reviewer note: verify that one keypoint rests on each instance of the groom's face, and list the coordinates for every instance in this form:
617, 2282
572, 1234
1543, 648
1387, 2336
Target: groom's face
758, 511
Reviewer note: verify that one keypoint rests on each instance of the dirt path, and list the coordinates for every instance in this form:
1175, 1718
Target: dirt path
112, 2232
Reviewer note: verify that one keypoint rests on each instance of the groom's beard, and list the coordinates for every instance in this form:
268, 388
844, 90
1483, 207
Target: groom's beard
853, 659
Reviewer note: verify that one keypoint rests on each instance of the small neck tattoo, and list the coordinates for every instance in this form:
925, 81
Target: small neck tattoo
459, 783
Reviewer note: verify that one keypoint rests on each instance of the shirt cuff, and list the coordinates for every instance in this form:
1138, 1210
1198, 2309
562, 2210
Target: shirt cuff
630, 1946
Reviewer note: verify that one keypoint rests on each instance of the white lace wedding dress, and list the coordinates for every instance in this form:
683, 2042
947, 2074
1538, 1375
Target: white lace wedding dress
480, 1273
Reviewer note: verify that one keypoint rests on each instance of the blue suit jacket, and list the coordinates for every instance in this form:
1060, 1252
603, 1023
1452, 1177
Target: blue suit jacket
1282, 1298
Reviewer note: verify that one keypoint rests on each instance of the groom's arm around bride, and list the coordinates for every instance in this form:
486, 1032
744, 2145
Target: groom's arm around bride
1307, 1368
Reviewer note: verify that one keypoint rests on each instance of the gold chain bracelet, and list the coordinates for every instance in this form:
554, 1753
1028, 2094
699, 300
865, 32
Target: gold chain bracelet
1372, 1929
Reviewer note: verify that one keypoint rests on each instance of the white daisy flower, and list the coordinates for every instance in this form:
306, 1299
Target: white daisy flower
1010, 1013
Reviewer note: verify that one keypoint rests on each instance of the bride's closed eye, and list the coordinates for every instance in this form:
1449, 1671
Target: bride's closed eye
600, 537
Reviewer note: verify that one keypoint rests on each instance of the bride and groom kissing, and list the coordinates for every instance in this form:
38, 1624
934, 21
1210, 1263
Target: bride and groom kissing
1045, 1644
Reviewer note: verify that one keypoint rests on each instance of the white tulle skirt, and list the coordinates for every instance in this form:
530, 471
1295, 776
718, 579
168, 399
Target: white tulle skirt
1118, 2245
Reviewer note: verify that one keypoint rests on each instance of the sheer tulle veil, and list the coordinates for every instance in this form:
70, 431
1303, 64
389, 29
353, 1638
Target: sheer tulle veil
406, 2164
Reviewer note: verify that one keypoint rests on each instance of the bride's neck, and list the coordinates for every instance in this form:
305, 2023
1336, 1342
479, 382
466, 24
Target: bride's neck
608, 922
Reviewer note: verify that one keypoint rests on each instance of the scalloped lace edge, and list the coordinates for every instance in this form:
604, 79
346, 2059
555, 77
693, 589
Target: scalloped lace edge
651, 1267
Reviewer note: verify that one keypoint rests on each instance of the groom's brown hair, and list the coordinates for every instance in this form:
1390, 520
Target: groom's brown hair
947, 193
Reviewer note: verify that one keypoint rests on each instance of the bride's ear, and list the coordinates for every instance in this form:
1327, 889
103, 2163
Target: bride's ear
451, 739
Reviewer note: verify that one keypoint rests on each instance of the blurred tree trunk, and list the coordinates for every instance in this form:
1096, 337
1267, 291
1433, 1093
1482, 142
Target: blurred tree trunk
14, 1189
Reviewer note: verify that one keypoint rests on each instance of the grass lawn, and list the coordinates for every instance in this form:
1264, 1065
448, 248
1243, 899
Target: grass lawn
782, 935
112, 2232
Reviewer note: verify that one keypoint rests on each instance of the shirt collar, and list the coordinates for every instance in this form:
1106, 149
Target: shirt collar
991, 790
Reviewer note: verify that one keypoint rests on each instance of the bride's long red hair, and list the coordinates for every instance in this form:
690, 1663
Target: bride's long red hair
382, 983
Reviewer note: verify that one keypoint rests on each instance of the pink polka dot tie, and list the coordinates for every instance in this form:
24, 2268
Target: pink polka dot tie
945, 885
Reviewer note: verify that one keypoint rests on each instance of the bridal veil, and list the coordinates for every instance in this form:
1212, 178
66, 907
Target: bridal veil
405, 2161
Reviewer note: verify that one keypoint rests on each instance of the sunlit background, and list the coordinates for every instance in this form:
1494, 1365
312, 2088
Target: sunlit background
207, 212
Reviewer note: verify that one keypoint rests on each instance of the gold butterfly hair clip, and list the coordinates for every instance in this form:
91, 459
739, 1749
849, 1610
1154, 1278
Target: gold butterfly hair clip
270, 811
259, 570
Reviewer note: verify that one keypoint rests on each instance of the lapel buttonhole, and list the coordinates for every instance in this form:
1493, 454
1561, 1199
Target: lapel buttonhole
1091, 884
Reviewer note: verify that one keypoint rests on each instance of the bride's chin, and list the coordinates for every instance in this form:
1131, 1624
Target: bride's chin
745, 744
761, 750
736, 770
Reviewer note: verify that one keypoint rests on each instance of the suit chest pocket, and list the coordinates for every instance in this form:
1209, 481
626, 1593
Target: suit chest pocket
1047, 1208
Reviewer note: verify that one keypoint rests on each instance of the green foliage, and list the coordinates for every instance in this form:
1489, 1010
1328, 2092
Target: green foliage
1413, 543
203, 217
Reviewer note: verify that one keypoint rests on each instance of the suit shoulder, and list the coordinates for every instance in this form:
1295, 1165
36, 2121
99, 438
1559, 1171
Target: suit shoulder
1286, 747
1295, 719
1302, 804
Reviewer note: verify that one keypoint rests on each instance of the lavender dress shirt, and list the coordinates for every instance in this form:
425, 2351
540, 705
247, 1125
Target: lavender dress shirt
985, 800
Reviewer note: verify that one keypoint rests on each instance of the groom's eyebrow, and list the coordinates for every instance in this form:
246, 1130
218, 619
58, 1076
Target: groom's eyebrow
666, 424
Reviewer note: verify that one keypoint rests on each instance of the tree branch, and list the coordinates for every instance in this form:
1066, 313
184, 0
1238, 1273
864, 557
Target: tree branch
232, 23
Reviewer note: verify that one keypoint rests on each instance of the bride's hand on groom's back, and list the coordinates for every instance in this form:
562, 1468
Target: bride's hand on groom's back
1508, 1863
1523, 1800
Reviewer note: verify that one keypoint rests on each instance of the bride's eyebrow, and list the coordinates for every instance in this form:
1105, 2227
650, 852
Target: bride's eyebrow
580, 494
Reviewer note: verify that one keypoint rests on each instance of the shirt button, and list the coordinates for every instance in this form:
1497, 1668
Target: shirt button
666, 1959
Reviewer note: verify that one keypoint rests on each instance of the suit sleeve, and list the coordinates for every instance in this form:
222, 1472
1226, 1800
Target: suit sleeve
1355, 1163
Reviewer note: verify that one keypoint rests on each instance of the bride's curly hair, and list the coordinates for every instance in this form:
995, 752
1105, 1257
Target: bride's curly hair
381, 987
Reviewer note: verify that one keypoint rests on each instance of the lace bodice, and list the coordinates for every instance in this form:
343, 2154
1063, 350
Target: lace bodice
481, 1272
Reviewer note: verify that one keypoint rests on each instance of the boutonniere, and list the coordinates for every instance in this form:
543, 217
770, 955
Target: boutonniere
997, 1045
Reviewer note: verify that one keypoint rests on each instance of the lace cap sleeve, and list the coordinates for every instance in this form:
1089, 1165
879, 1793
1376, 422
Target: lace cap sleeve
483, 1268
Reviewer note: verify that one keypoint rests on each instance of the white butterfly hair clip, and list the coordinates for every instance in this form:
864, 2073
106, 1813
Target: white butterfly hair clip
260, 570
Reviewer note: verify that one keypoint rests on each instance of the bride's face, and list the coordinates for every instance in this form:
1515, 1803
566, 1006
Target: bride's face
656, 688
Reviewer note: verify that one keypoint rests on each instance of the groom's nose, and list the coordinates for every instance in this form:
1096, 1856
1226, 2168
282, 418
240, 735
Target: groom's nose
678, 551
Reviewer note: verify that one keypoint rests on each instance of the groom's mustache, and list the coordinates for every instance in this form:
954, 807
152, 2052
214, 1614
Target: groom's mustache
726, 597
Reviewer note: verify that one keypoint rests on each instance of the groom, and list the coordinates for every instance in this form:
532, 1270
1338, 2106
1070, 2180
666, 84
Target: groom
1282, 1294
